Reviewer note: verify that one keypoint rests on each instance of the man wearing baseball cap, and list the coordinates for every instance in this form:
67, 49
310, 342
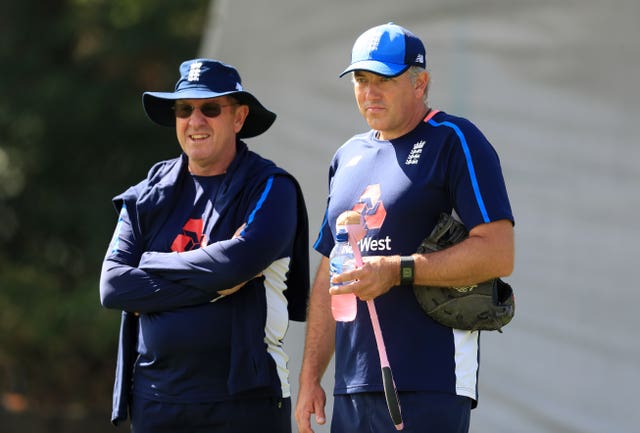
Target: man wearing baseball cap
208, 263
414, 164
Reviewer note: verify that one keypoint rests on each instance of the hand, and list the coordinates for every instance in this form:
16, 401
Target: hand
311, 400
235, 288
238, 231
227, 292
377, 275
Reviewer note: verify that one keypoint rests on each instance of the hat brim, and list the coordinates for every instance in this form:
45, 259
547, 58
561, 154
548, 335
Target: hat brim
385, 69
159, 108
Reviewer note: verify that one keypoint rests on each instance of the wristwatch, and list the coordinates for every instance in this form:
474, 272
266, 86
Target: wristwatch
407, 270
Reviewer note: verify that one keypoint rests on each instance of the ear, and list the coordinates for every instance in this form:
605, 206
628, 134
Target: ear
240, 115
421, 83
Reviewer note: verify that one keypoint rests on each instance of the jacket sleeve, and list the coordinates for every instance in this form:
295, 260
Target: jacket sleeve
268, 235
124, 286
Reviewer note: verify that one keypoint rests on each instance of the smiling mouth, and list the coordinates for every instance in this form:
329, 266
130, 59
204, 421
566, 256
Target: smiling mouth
199, 136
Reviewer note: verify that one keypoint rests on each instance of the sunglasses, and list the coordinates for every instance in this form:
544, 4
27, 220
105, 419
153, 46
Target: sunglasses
209, 109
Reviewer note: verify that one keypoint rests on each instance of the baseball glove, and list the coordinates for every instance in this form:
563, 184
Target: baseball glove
489, 305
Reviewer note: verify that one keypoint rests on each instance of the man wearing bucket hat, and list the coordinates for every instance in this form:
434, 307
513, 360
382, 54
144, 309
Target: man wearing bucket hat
208, 262
414, 164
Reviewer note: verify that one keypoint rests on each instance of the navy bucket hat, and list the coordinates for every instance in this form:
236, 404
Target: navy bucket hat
202, 79
387, 50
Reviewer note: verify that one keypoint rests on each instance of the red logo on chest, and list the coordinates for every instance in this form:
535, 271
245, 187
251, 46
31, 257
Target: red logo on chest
191, 237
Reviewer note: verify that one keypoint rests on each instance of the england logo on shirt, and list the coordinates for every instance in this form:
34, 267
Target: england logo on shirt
415, 153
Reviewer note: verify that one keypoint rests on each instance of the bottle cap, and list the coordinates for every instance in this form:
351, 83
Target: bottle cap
342, 235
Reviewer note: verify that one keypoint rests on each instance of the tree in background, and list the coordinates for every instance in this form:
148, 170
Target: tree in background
72, 135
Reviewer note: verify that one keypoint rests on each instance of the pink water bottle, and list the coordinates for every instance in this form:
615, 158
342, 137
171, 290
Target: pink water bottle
343, 307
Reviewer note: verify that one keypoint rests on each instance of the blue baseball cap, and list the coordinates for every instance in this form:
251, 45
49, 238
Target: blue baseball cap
202, 79
387, 50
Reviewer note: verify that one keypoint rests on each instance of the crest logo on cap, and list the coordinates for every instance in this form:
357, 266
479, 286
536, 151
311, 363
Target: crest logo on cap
194, 71
420, 58
375, 41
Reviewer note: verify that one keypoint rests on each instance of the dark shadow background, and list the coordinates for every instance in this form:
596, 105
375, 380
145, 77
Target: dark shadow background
72, 135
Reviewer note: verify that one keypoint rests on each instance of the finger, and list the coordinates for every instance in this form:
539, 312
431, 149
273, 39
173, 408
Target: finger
234, 289
227, 292
304, 422
320, 416
237, 233
341, 290
347, 276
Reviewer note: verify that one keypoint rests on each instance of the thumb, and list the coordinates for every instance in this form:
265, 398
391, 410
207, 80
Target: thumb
320, 416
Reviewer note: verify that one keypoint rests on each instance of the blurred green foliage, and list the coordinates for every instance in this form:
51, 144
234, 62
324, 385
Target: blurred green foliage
72, 135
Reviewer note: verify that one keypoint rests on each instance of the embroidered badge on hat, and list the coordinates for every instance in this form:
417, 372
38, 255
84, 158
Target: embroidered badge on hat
194, 71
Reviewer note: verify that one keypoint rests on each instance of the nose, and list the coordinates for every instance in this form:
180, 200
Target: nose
197, 117
371, 91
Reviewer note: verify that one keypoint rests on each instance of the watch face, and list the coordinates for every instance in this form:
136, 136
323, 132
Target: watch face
406, 270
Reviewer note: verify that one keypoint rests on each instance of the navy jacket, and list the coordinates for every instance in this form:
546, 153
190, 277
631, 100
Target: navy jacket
152, 200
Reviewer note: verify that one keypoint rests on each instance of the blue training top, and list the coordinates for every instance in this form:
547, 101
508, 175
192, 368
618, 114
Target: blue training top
401, 187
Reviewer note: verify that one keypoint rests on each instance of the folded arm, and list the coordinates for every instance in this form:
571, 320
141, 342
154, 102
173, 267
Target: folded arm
125, 287
269, 230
